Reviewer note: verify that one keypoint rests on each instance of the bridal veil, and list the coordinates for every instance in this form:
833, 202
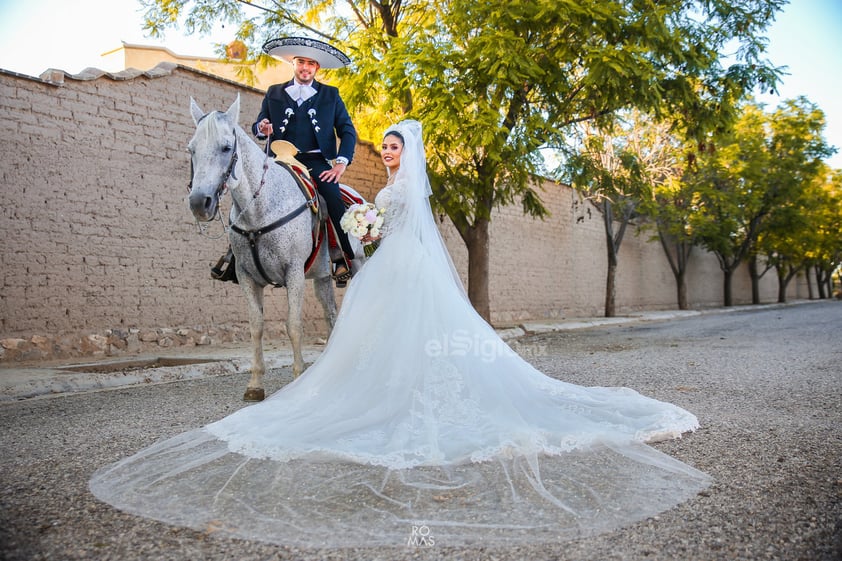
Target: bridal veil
416, 426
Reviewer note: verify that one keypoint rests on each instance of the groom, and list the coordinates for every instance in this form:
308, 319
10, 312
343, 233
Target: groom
312, 115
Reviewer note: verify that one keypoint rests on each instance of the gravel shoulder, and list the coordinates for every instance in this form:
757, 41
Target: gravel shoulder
766, 385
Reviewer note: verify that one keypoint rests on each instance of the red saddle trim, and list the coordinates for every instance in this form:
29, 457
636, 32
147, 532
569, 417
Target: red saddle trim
349, 197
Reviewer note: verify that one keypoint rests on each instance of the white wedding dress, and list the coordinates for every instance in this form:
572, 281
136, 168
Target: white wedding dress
417, 424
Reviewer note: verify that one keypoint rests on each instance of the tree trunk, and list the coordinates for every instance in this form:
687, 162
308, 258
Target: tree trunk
678, 264
755, 280
783, 280
820, 281
810, 295
726, 288
828, 283
611, 252
681, 286
610, 289
476, 240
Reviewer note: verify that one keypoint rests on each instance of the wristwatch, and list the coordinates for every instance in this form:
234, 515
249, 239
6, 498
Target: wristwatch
342, 160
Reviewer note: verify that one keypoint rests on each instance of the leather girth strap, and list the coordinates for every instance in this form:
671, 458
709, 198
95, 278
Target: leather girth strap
253, 237
308, 189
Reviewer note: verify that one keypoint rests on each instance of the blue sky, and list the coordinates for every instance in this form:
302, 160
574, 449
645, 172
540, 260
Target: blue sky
39, 34
807, 38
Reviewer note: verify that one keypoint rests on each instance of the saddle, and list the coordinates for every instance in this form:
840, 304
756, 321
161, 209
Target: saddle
285, 156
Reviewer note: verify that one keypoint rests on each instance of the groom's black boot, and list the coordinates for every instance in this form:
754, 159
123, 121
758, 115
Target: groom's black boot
222, 273
342, 272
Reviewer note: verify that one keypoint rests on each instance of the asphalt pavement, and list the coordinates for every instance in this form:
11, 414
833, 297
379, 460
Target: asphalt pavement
764, 381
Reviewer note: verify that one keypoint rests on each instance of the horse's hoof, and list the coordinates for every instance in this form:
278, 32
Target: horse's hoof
254, 394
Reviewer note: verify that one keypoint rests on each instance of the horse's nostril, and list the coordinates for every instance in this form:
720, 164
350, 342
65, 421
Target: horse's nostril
200, 204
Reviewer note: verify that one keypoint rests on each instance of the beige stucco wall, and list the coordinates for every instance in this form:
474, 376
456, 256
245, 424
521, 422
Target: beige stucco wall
146, 57
101, 255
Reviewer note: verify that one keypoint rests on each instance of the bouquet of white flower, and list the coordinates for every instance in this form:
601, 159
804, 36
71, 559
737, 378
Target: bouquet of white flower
362, 219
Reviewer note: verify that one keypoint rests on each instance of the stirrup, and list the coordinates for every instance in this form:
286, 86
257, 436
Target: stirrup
222, 273
343, 277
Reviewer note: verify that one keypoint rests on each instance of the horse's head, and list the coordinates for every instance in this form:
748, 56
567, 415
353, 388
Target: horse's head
213, 157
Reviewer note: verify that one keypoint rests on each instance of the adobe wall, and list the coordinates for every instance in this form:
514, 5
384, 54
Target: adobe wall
100, 254
557, 268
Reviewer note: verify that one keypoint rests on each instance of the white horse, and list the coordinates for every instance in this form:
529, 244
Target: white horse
271, 230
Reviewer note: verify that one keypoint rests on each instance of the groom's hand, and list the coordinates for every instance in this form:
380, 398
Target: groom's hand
333, 174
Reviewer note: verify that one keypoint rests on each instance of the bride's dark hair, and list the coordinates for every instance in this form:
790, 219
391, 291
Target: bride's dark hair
394, 133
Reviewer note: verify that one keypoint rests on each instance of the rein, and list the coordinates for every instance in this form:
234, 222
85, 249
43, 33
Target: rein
259, 187
253, 236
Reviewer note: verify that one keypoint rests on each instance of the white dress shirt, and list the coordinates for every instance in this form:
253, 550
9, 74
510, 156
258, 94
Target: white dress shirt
300, 92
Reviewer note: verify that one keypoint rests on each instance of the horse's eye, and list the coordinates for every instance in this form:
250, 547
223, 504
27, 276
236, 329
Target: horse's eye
226, 148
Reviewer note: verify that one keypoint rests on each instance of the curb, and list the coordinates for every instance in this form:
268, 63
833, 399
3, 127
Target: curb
20, 383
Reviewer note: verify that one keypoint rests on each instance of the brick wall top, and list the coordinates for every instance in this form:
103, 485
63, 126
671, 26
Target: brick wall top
58, 77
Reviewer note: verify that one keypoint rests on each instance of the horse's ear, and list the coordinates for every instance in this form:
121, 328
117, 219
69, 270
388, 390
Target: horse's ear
233, 112
196, 111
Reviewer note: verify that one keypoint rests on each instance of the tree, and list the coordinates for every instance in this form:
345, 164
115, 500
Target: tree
526, 71
788, 239
798, 230
752, 181
619, 168
796, 152
669, 211
731, 197
825, 254
493, 82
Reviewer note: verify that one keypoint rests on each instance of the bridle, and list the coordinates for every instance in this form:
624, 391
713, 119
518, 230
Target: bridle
229, 171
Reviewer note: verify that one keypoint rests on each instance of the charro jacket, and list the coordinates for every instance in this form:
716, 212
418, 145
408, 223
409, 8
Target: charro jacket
324, 116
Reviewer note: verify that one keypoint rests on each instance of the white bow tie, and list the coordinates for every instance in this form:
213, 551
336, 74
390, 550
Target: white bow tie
300, 92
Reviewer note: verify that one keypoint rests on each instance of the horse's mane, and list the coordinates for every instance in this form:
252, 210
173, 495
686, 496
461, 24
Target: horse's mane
210, 124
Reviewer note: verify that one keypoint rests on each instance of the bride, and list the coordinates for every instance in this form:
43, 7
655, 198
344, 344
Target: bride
417, 424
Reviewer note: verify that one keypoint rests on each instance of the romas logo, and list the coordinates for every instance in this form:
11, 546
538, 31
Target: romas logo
420, 536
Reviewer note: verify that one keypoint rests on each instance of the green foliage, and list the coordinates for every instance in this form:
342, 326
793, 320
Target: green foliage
621, 166
755, 181
823, 239
794, 229
493, 82
731, 197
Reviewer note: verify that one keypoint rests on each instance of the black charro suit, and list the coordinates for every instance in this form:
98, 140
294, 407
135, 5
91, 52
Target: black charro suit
314, 128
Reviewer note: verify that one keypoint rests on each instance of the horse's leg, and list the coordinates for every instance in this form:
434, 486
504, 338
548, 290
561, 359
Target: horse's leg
295, 305
254, 297
324, 292
323, 285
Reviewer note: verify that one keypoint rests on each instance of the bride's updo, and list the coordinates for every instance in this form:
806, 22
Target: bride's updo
395, 134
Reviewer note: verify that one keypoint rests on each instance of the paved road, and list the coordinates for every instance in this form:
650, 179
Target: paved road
766, 385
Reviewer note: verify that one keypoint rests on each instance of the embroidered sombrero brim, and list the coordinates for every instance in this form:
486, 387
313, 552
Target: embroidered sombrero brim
287, 48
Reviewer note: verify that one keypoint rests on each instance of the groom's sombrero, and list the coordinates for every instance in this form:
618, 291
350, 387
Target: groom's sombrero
288, 48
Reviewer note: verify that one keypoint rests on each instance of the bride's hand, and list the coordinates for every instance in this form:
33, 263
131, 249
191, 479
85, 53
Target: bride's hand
368, 238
